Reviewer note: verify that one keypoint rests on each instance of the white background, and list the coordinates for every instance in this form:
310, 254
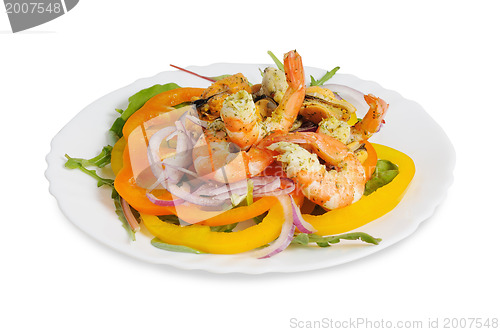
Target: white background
442, 54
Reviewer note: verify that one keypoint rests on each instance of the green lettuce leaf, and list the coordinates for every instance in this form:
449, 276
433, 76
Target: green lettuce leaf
385, 172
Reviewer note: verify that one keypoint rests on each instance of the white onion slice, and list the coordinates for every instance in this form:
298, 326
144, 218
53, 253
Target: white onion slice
260, 188
212, 189
197, 121
290, 186
268, 187
182, 169
286, 235
193, 198
154, 150
187, 144
181, 158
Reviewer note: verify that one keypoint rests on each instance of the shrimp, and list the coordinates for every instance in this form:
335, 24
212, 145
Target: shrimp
244, 123
219, 91
215, 157
372, 121
285, 114
241, 119
337, 183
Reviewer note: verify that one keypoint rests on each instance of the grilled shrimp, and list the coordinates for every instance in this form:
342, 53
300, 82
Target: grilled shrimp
372, 121
284, 116
337, 183
241, 119
243, 123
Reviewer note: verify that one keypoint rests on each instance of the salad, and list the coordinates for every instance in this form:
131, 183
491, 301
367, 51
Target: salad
239, 167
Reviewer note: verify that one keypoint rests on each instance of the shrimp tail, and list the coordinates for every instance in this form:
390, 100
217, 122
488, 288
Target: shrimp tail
294, 70
373, 119
283, 117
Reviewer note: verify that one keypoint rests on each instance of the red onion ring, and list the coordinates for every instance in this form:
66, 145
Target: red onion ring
286, 235
129, 216
163, 202
302, 225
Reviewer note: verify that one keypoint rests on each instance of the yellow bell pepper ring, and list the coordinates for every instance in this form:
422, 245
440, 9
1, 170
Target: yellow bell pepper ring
202, 238
370, 207
117, 155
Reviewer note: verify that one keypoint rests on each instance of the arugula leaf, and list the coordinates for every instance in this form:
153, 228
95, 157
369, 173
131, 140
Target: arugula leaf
276, 61
325, 241
224, 228
135, 102
301, 238
78, 163
101, 160
172, 247
260, 218
385, 172
121, 216
325, 78
171, 219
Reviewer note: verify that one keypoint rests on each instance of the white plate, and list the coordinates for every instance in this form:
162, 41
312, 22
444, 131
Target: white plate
408, 128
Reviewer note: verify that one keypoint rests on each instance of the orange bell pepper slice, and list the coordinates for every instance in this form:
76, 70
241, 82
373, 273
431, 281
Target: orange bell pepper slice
135, 195
193, 214
158, 105
125, 183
